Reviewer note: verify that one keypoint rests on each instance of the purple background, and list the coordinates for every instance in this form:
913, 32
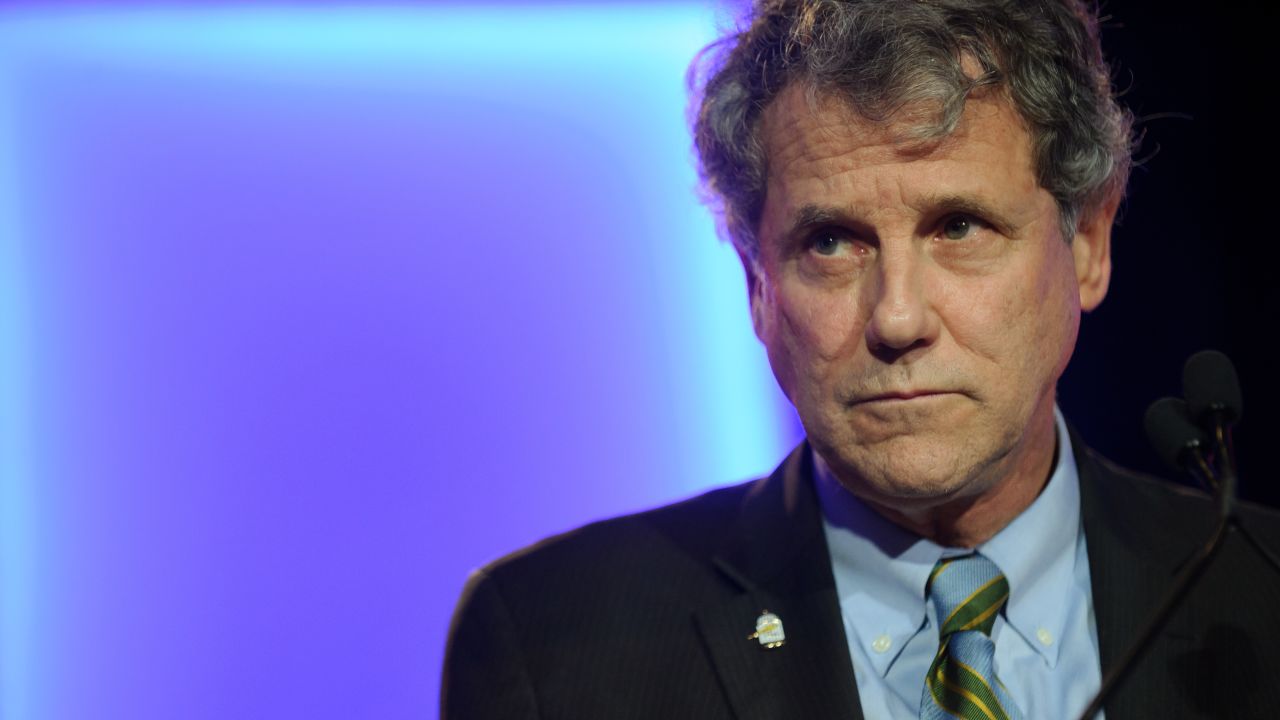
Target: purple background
306, 312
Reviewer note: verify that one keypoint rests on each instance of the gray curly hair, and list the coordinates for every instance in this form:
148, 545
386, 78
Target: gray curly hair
881, 56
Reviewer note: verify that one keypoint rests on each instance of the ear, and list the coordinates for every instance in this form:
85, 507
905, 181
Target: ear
754, 292
1091, 248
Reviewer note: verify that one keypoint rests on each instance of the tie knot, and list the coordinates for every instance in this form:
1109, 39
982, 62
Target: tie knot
967, 593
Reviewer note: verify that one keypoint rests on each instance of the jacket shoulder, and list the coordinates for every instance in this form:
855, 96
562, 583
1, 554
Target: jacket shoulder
686, 533
570, 622
1171, 501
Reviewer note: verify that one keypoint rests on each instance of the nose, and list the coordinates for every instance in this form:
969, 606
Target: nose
902, 316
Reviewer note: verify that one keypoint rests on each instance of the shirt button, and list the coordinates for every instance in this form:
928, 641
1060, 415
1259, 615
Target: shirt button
881, 644
1044, 636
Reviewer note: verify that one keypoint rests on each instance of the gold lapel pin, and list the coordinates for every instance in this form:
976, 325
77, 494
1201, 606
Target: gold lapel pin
768, 631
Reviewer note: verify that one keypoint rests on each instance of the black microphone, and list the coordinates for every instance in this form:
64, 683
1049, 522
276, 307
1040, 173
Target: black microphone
1176, 439
1213, 401
1212, 388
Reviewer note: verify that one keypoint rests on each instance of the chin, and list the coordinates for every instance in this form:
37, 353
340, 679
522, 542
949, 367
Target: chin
916, 486
911, 473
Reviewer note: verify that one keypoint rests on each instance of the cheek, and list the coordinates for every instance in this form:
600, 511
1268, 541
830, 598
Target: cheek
1066, 326
1060, 296
1022, 321
817, 330
1043, 321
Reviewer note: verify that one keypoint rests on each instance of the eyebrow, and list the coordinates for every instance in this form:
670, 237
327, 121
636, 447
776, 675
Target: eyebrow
969, 205
810, 216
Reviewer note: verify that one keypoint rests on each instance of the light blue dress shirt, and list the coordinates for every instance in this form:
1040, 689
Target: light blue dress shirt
1046, 639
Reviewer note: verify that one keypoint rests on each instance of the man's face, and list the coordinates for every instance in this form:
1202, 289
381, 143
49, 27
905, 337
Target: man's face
918, 302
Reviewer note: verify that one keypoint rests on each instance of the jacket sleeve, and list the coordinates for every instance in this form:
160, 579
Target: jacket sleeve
485, 675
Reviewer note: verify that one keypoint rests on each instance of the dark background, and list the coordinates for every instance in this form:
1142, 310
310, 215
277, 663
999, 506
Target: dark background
1193, 251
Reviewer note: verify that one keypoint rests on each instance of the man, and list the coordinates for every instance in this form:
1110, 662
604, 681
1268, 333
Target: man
922, 196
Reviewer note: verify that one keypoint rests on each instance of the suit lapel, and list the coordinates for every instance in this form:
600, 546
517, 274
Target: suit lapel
781, 565
1134, 555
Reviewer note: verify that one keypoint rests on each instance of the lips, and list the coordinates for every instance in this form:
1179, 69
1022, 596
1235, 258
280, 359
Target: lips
901, 395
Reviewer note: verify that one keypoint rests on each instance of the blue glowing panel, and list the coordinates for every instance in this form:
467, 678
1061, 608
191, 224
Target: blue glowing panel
306, 312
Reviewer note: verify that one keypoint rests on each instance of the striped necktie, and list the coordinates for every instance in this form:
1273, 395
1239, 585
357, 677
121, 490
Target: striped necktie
966, 593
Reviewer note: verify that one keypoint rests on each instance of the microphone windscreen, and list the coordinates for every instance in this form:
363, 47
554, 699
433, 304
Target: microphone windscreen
1170, 430
1209, 382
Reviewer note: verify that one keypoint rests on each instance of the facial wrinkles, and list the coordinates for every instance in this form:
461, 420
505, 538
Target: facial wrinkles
988, 320
838, 169
893, 286
811, 326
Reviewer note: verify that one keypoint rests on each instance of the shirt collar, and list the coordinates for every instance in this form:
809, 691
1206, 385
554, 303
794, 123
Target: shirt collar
1037, 554
881, 568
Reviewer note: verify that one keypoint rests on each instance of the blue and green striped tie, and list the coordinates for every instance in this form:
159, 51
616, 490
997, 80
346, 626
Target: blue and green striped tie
966, 593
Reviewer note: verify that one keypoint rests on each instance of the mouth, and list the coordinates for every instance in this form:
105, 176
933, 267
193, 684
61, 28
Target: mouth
903, 396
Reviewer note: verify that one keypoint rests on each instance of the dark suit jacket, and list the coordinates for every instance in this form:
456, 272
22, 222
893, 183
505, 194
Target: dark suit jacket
648, 616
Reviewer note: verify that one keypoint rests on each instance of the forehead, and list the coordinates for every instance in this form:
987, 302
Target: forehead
820, 138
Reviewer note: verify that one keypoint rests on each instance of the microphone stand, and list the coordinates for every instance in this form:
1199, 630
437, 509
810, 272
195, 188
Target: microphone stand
1223, 485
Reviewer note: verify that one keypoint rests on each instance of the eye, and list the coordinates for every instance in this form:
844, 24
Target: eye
958, 227
826, 242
